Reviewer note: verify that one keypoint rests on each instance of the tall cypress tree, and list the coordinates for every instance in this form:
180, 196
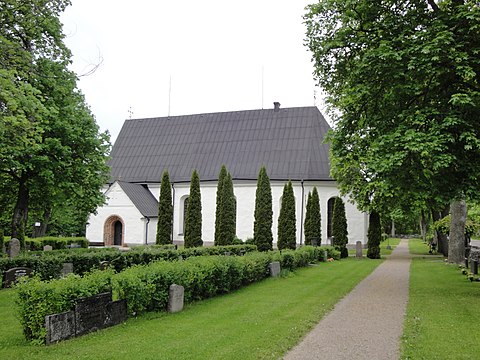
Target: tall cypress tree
262, 227
228, 209
313, 218
339, 227
218, 212
374, 236
193, 222
287, 228
165, 212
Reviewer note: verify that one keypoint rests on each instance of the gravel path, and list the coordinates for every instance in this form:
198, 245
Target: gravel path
368, 322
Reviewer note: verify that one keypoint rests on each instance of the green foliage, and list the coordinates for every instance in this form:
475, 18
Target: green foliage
313, 220
374, 236
287, 229
55, 242
53, 155
412, 140
262, 227
339, 227
193, 222
2, 241
443, 226
165, 212
225, 224
218, 209
37, 298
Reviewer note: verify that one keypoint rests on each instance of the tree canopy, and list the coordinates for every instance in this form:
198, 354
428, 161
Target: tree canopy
52, 152
404, 78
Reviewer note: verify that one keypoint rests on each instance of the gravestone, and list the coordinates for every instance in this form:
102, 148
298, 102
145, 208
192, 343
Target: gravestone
359, 249
274, 268
325, 255
175, 298
314, 241
474, 266
12, 275
90, 314
115, 312
227, 253
67, 269
104, 265
74, 246
47, 248
13, 247
60, 326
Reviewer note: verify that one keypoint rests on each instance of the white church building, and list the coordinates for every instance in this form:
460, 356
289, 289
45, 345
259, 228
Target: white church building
287, 141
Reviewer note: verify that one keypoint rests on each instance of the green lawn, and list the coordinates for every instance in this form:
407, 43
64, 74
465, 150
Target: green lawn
443, 314
263, 320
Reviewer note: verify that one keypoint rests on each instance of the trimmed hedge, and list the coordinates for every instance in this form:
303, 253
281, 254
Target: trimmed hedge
48, 265
55, 242
146, 287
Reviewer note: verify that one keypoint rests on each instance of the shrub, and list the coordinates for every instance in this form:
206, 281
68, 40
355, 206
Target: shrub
227, 220
374, 236
2, 243
55, 242
339, 227
313, 218
218, 208
193, 222
165, 212
287, 230
262, 227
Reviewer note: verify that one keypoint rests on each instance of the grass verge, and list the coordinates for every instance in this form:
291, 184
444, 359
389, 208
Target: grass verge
442, 314
261, 321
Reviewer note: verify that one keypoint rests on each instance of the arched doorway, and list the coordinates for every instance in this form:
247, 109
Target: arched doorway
114, 231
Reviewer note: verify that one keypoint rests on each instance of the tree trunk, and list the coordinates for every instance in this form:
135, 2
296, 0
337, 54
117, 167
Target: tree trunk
423, 226
393, 229
20, 212
441, 239
456, 248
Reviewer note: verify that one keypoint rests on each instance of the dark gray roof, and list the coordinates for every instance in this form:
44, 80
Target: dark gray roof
142, 198
289, 142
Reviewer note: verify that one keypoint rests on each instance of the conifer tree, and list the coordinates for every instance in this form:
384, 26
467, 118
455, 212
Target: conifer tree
193, 221
374, 236
287, 229
218, 212
165, 212
262, 227
339, 227
313, 219
228, 210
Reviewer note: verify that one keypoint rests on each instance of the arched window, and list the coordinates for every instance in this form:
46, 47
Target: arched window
330, 204
183, 213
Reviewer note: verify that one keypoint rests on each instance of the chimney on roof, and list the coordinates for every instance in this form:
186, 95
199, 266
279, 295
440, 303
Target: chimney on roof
276, 106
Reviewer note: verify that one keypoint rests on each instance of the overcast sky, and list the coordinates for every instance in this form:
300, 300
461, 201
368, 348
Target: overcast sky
212, 50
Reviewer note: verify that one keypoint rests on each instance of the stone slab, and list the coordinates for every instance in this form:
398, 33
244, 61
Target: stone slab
60, 326
116, 312
67, 269
13, 247
47, 248
90, 313
12, 275
175, 298
274, 268
358, 249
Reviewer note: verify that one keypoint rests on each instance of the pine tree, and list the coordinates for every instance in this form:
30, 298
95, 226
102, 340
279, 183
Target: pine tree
287, 229
339, 227
374, 236
193, 222
218, 212
165, 212
313, 219
228, 210
262, 227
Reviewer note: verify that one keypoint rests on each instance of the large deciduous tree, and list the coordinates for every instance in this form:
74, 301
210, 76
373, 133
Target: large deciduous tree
51, 145
313, 220
404, 77
262, 227
193, 222
165, 212
287, 228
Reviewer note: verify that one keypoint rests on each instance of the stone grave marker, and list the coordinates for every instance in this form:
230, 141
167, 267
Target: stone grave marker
175, 298
359, 249
74, 246
47, 248
227, 253
60, 326
115, 312
90, 313
14, 248
12, 275
325, 254
67, 269
274, 268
